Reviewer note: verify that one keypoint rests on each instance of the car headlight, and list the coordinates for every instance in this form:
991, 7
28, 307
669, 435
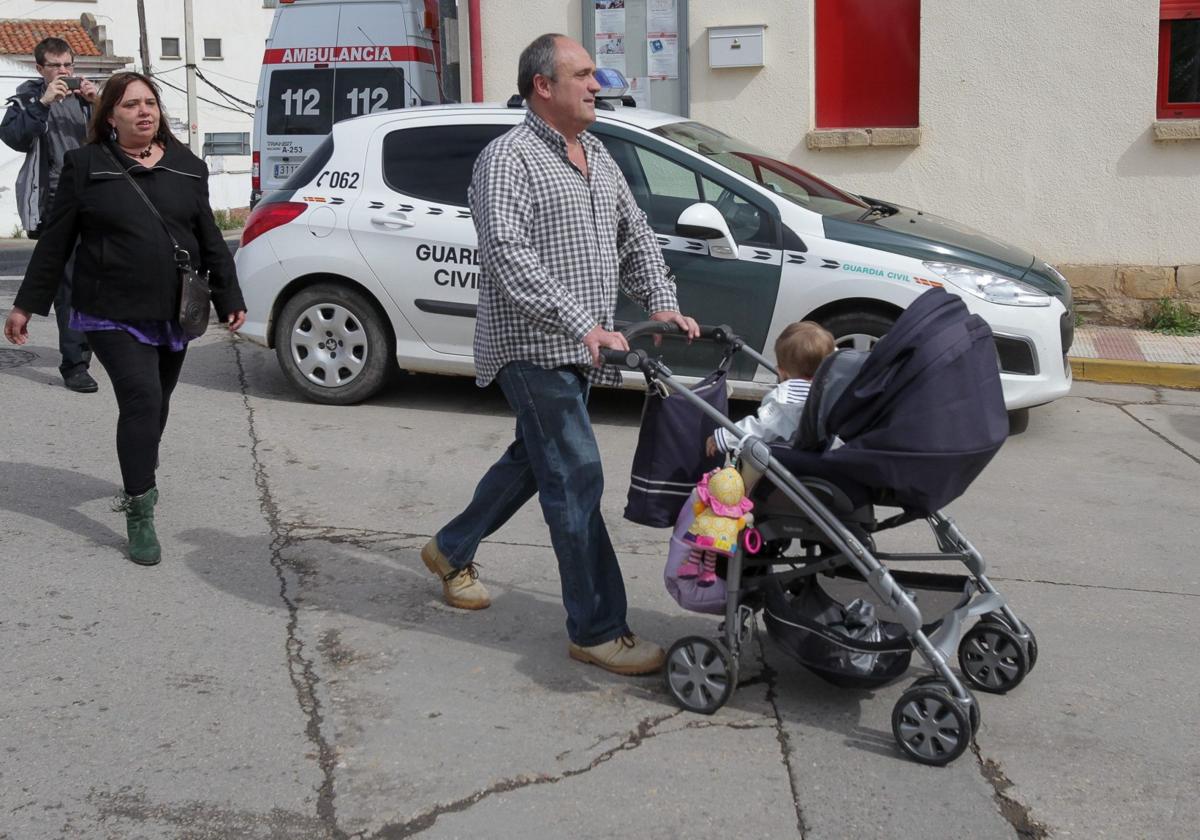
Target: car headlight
995, 288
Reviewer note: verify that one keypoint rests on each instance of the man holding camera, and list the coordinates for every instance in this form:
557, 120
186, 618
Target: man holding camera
46, 118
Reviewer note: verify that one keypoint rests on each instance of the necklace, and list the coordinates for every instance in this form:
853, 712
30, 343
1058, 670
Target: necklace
142, 155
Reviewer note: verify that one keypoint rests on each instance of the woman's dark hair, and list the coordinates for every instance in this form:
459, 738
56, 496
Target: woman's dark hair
112, 94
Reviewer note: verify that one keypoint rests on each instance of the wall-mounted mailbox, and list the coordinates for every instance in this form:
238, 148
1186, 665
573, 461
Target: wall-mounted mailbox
735, 46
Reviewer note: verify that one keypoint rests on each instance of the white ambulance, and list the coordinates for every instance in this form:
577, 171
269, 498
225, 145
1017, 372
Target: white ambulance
329, 60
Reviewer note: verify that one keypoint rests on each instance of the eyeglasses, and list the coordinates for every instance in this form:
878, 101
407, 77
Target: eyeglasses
59, 66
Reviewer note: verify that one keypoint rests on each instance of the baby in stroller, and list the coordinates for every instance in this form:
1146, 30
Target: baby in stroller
799, 351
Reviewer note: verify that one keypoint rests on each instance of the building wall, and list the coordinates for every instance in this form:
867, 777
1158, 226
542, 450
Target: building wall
242, 26
1036, 119
508, 26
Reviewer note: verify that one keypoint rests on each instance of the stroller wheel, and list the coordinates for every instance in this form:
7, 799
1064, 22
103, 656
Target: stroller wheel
937, 682
700, 674
992, 657
1031, 650
930, 725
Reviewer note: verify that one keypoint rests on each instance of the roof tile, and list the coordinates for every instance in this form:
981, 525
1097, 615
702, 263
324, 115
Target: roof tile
19, 37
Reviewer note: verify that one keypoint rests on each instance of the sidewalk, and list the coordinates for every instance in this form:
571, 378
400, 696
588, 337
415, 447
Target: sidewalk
1140, 357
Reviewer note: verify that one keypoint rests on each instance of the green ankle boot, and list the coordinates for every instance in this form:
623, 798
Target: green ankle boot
139, 525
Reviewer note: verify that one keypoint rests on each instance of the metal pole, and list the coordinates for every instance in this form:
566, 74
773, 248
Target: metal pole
145, 44
190, 58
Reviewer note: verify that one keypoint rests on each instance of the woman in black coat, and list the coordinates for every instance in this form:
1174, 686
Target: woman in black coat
126, 285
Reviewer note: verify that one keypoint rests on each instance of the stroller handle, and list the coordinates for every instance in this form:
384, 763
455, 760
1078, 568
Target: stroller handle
635, 359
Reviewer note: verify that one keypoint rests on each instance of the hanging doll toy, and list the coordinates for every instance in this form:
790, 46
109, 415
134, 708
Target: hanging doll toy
722, 511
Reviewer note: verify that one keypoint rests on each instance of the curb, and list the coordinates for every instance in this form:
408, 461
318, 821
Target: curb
1160, 374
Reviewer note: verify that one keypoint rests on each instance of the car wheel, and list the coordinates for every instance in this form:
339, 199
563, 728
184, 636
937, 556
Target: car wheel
858, 330
333, 345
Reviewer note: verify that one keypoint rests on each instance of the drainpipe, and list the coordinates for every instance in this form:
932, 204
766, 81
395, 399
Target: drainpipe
476, 38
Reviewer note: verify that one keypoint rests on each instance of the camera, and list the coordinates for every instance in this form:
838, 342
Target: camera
73, 82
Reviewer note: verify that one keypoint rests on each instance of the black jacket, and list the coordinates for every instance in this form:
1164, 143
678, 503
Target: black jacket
125, 267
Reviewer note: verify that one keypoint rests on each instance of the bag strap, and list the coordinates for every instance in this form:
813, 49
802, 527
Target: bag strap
182, 257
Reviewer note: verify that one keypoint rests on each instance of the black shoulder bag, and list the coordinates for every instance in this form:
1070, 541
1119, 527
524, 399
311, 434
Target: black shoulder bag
195, 295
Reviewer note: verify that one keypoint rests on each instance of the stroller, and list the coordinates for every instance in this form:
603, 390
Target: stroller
909, 425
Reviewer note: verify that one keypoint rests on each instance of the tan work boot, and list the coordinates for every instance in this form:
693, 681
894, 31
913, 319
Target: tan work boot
460, 587
625, 655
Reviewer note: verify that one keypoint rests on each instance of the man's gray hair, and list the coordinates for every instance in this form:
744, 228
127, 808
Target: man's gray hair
538, 59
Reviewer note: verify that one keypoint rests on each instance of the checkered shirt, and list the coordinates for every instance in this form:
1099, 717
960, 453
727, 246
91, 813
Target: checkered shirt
554, 247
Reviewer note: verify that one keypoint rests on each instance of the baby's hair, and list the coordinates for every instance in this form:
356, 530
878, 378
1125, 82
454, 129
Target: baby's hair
802, 346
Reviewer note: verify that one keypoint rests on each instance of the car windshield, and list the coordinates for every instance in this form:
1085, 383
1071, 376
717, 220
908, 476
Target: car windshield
781, 178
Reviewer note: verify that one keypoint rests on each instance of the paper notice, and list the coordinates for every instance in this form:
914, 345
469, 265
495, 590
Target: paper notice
610, 16
610, 51
662, 16
662, 55
639, 89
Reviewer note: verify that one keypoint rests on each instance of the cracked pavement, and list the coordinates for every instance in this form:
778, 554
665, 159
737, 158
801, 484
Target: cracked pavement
289, 671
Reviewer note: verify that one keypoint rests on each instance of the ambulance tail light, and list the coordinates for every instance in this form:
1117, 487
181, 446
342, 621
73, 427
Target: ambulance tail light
267, 217
256, 172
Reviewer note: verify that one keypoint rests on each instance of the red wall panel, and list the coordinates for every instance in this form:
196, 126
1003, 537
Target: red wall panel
868, 63
1179, 9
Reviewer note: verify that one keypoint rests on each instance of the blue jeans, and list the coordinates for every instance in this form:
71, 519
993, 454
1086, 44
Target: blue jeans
554, 455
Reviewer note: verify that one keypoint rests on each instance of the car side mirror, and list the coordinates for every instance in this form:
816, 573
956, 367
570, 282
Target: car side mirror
703, 221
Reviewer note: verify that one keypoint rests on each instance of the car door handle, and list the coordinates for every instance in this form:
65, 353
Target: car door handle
393, 221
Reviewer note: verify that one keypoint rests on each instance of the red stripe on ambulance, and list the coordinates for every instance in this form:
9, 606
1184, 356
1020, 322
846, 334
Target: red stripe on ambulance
355, 55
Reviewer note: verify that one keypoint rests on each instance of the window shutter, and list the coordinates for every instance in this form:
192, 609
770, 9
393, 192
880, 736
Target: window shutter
868, 63
1179, 9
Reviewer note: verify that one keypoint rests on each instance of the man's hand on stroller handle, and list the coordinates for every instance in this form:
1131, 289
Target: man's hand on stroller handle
686, 325
599, 338
661, 323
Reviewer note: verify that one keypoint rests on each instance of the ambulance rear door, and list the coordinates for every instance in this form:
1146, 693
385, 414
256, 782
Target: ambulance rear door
326, 62
390, 63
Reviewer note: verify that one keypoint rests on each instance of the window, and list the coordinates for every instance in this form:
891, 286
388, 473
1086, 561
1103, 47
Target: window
780, 177
664, 189
170, 48
435, 163
867, 63
300, 102
311, 101
1179, 59
212, 47
226, 143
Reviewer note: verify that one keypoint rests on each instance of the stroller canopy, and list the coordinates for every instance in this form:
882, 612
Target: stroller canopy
921, 417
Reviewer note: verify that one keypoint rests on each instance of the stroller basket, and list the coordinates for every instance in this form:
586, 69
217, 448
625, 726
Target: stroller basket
824, 636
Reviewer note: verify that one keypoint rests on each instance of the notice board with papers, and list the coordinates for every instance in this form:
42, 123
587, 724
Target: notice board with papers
647, 41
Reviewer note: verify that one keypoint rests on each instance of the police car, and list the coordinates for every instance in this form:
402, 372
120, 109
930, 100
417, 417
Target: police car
366, 261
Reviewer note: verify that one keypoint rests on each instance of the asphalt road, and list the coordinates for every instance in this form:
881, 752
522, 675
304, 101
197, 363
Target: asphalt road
289, 671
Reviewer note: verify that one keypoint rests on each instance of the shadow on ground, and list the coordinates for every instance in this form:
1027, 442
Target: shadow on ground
386, 584
52, 495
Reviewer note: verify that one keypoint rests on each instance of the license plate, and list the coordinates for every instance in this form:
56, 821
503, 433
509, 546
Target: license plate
283, 170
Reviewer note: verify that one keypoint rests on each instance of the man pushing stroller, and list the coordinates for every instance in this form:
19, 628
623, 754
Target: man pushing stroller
559, 232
